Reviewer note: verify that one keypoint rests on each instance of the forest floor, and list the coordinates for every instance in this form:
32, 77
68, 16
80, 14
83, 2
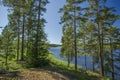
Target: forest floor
33, 74
57, 70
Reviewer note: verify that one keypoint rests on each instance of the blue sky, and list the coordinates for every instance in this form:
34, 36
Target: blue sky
53, 28
3, 16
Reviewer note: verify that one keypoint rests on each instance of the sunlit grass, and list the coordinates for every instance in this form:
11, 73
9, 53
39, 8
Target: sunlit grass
11, 66
61, 63
78, 75
56, 70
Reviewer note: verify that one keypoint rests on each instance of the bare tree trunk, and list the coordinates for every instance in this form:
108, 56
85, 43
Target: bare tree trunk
38, 28
6, 62
100, 42
22, 52
100, 51
85, 55
75, 40
112, 59
28, 40
68, 60
93, 63
6, 59
18, 41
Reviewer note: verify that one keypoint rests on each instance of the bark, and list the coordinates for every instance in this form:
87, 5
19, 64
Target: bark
28, 40
38, 28
75, 40
22, 52
6, 59
100, 42
85, 55
68, 59
93, 63
112, 61
18, 41
100, 52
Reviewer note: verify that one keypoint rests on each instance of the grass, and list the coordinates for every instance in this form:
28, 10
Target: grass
62, 68
12, 66
56, 70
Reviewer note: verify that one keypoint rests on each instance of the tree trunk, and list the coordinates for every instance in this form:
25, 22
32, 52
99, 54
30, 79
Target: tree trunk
68, 59
75, 40
28, 40
112, 59
100, 51
38, 28
22, 52
85, 55
93, 63
18, 42
6, 59
100, 42
6, 62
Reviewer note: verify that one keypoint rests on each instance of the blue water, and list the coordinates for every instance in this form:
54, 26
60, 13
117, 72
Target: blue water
81, 61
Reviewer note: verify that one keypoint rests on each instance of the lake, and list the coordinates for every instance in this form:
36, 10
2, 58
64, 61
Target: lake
56, 52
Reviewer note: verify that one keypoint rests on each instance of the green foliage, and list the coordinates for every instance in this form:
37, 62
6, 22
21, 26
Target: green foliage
7, 45
12, 65
87, 30
39, 61
37, 42
96, 33
70, 20
25, 21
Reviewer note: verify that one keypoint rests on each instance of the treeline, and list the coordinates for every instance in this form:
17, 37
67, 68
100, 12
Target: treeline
90, 30
24, 39
54, 45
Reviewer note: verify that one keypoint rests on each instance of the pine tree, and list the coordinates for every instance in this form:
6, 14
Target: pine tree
7, 44
67, 43
37, 37
103, 18
30, 25
71, 11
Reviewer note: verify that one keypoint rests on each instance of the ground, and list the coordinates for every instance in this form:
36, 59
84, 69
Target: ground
56, 70
33, 74
42, 74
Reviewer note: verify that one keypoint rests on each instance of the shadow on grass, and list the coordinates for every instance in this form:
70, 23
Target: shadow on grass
54, 71
12, 75
71, 74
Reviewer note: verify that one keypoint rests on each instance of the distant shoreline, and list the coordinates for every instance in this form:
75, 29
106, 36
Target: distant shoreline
54, 45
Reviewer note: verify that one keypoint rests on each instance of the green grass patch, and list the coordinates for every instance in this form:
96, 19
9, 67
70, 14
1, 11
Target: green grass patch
11, 66
55, 68
60, 66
